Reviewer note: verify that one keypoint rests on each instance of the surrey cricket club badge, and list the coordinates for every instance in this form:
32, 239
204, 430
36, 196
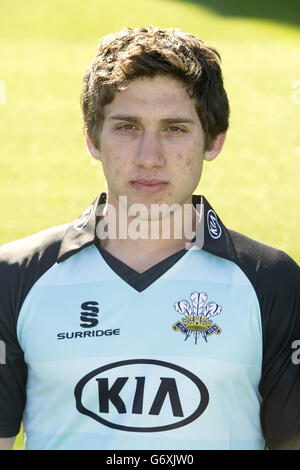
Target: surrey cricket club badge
197, 317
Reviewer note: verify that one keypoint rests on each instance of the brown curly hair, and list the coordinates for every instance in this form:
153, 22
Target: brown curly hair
147, 52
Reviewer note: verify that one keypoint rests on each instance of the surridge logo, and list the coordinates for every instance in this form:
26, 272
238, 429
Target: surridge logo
213, 225
89, 319
89, 314
82, 221
141, 395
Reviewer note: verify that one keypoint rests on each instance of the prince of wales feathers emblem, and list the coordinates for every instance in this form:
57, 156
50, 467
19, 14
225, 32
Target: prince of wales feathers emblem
197, 320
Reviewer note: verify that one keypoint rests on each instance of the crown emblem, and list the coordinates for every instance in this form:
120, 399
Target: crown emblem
197, 317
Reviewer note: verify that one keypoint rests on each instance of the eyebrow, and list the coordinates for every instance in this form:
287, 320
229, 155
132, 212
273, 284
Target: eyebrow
177, 120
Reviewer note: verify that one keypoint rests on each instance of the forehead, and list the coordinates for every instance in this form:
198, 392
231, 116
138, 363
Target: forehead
162, 96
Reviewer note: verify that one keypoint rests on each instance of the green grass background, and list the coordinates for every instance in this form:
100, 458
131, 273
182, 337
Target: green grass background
46, 174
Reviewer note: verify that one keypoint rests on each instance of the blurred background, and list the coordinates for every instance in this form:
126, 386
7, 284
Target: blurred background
46, 175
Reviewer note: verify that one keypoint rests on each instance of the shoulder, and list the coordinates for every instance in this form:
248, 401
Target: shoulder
264, 264
34, 247
275, 277
23, 261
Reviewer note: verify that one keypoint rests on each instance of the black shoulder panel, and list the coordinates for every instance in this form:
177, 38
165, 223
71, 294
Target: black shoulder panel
22, 263
276, 279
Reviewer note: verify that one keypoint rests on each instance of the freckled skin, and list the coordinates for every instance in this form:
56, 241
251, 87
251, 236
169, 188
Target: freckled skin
151, 130
172, 152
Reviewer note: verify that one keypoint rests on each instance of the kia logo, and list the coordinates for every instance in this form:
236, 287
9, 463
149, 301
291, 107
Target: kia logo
141, 395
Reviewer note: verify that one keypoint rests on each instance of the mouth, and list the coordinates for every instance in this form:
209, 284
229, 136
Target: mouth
151, 185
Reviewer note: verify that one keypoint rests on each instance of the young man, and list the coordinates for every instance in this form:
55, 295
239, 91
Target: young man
146, 323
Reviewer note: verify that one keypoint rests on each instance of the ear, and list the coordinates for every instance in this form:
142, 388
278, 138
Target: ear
94, 152
215, 147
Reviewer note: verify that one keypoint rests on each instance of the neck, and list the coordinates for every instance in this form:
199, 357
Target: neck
141, 241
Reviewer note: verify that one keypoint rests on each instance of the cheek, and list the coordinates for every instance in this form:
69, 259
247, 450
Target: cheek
112, 160
189, 165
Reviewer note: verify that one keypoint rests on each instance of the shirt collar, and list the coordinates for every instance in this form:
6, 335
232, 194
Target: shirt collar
212, 235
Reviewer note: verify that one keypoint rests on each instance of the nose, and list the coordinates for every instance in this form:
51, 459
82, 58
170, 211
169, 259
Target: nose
150, 154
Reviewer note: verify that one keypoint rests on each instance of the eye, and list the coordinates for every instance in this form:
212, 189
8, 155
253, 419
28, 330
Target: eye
126, 127
175, 129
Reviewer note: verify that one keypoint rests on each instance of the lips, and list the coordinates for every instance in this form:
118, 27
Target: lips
149, 185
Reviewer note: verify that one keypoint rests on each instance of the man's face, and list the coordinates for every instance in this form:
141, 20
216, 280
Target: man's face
152, 143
